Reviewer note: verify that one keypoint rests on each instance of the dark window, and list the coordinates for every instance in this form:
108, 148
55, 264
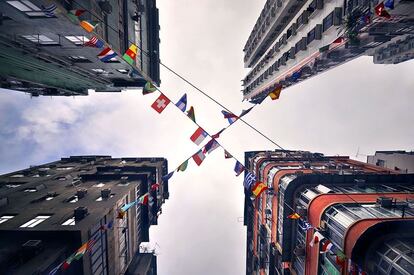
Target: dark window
328, 22
311, 35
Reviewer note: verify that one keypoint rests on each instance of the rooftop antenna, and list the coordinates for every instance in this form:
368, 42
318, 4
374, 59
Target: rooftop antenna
359, 154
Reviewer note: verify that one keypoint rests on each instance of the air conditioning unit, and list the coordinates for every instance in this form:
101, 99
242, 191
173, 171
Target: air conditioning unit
81, 193
105, 193
80, 213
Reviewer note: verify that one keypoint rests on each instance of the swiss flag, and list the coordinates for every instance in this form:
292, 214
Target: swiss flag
160, 103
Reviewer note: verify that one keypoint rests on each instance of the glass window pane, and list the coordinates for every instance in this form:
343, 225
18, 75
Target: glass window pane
18, 5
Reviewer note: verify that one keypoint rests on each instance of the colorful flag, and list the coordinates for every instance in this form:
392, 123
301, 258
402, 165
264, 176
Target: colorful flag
198, 136
230, 116
148, 88
182, 103
94, 42
155, 186
317, 237
107, 226
244, 112
191, 114
56, 269
217, 135
326, 247
131, 54
338, 40
324, 49
276, 93
340, 258
294, 216
77, 13
249, 180
210, 146
258, 188
89, 27
83, 249
238, 168
68, 261
168, 176
49, 10
199, 157
389, 4
306, 226
143, 199
183, 166
160, 103
106, 55
127, 206
258, 99
295, 76
381, 12
227, 155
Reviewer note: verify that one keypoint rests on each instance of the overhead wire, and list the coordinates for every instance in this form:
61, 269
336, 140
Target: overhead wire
209, 97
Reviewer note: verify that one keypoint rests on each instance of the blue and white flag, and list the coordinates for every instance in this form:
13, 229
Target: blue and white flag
168, 176
210, 146
249, 180
182, 103
238, 168
49, 10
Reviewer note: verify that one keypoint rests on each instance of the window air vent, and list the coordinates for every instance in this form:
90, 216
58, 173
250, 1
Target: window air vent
80, 213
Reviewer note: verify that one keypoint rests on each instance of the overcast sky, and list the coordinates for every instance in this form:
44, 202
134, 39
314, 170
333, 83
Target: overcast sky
356, 105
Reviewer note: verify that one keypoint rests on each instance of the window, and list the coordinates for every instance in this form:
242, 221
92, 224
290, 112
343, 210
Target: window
122, 71
79, 59
12, 185
77, 39
35, 221
100, 71
70, 221
40, 39
311, 35
328, 22
27, 7
5, 218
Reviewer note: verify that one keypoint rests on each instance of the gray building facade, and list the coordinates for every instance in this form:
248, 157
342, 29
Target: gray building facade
44, 55
293, 40
47, 212
400, 161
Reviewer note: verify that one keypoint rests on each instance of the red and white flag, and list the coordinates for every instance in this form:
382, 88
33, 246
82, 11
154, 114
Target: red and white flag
160, 103
317, 237
326, 247
199, 157
198, 136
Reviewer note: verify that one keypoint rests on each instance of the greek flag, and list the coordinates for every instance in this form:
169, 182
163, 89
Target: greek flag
249, 180
49, 10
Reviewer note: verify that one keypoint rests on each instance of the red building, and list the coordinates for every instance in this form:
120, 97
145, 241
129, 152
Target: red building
354, 218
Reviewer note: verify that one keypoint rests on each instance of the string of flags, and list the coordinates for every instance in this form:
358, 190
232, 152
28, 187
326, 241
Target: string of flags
81, 251
326, 245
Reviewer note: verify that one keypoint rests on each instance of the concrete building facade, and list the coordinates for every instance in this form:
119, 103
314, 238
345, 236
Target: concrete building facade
285, 45
44, 55
366, 212
400, 161
47, 212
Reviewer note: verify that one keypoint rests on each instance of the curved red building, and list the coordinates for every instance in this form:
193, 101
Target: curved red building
354, 218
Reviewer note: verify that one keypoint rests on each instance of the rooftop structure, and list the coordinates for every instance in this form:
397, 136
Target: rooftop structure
293, 40
400, 161
365, 212
47, 212
44, 54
